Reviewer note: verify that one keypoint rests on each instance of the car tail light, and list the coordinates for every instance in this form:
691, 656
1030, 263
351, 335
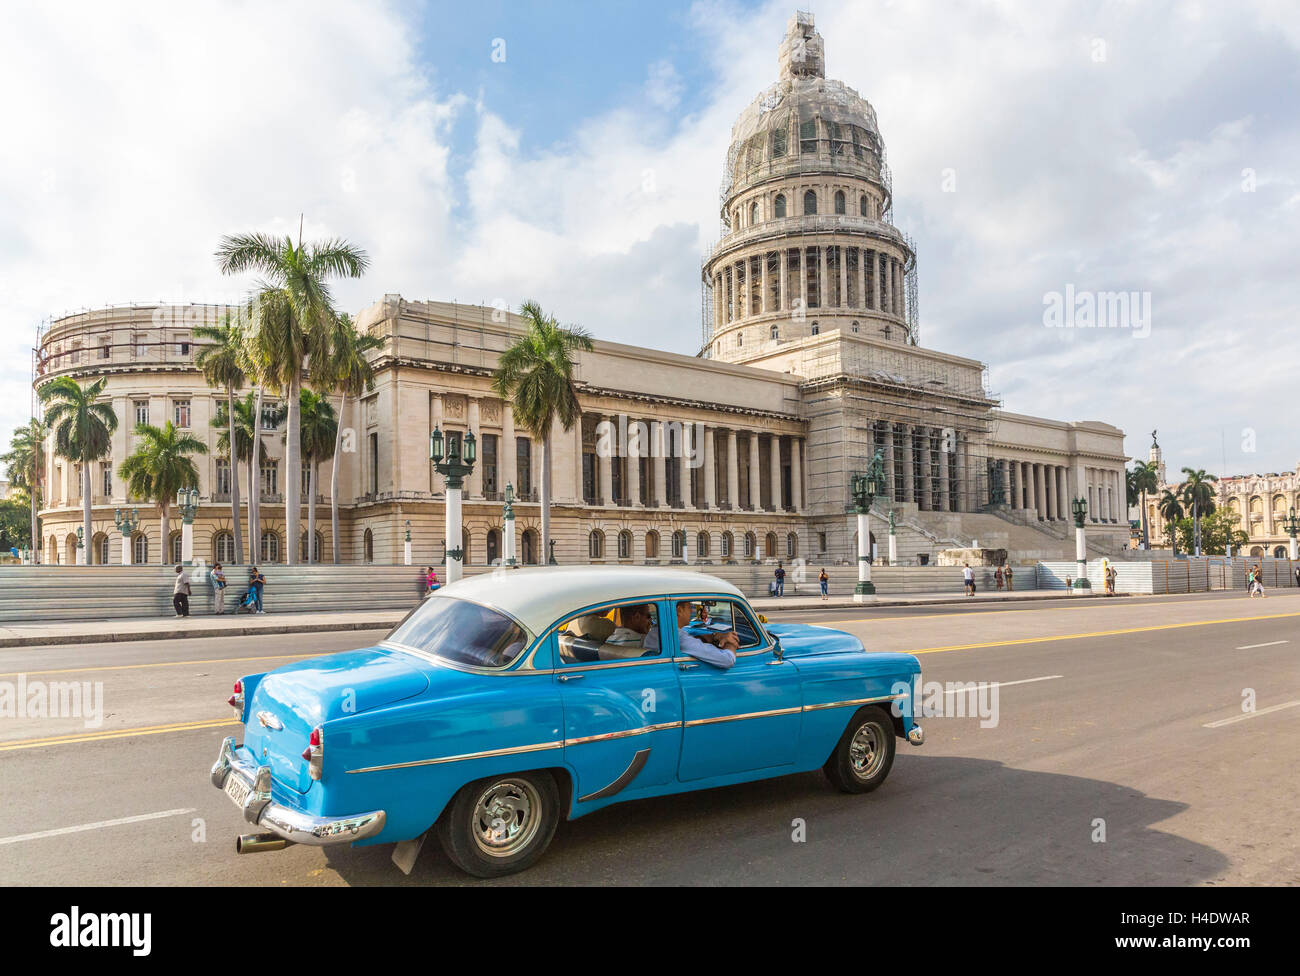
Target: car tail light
314, 754
236, 701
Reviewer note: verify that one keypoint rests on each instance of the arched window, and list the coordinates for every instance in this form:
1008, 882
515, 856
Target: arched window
769, 545
677, 545
779, 206
625, 544
270, 547
810, 202
854, 327
368, 547
753, 213
302, 547
223, 548
100, 549
175, 548
791, 545
140, 549
740, 338
750, 543
528, 547
727, 545
885, 332
596, 544
702, 544
862, 205
816, 329
776, 332
839, 201
493, 546
465, 547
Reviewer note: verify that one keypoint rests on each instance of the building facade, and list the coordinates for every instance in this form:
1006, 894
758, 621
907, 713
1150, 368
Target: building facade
809, 364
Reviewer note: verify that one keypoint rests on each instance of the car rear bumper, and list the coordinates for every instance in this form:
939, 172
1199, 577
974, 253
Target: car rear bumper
249, 788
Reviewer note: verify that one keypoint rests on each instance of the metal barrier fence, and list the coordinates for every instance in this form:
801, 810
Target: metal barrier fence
1194, 574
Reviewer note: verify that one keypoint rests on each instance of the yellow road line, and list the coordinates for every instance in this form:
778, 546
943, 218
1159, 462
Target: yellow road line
1096, 633
74, 737
163, 664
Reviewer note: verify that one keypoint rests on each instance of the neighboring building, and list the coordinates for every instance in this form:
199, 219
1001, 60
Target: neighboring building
808, 365
1260, 501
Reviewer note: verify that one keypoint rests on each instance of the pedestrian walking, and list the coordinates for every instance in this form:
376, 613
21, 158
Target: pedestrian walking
1257, 581
218, 578
1297, 576
968, 577
1010, 580
824, 582
999, 579
181, 593
780, 580
256, 584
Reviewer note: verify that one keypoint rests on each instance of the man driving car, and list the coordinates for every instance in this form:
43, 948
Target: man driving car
716, 649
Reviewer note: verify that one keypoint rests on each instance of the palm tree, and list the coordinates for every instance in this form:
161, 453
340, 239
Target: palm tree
535, 373
295, 321
1171, 510
23, 462
83, 430
222, 362
1198, 492
318, 433
1143, 478
246, 434
159, 467
351, 376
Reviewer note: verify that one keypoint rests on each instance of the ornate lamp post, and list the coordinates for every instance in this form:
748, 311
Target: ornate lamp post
893, 541
1292, 525
127, 523
81, 546
508, 534
1079, 508
406, 544
455, 468
187, 500
865, 488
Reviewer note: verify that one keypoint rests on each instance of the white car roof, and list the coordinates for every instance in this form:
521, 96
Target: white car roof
537, 597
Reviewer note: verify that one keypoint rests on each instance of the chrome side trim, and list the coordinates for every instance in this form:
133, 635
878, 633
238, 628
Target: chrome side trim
738, 718
853, 701
622, 734
633, 770
486, 754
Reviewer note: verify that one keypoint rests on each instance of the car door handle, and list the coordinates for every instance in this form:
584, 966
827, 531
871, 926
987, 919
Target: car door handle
687, 665
571, 677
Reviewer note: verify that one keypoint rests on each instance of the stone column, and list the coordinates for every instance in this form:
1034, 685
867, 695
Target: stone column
796, 475
733, 471
684, 466
909, 469
509, 452
742, 279
889, 461
862, 277
823, 289
710, 470
474, 483
844, 277
781, 273
604, 472
576, 435
1063, 491
945, 477
633, 468
774, 470
887, 296
755, 484
1049, 492
803, 277
659, 494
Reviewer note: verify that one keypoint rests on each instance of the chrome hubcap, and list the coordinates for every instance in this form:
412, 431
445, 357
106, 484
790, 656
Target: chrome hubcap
866, 751
506, 817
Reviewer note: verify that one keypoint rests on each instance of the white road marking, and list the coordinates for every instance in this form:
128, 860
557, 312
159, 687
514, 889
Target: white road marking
1247, 647
19, 838
1003, 684
1255, 714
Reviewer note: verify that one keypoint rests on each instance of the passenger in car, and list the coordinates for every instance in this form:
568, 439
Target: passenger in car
635, 629
716, 649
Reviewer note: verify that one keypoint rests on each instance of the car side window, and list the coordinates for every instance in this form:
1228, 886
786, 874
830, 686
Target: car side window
724, 615
629, 630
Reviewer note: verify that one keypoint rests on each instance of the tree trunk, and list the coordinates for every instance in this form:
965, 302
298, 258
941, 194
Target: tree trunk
1146, 539
165, 510
293, 469
255, 485
234, 481
33, 487
334, 482
311, 513
85, 512
544, 557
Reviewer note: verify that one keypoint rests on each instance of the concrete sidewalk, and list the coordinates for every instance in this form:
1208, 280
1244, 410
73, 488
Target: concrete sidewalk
245, 625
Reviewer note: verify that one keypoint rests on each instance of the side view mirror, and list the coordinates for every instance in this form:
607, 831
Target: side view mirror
777, 653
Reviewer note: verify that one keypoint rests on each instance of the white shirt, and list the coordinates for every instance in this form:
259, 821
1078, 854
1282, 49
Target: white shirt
708, 653
969, 574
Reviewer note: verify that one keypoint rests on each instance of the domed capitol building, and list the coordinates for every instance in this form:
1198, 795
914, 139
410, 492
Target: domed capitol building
809, 364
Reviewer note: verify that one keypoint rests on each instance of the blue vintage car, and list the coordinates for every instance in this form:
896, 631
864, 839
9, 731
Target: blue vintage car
510, 700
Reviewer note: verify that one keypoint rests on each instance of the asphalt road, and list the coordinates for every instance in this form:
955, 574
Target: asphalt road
1124, 716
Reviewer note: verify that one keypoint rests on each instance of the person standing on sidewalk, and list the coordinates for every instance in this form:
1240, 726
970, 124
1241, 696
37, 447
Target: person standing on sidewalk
999, 579
824, 582
968, 577
780, 580
1010, 579
256, 582
218, 577
181, 593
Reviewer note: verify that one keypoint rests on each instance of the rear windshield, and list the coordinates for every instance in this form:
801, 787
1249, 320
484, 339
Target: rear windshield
462, 633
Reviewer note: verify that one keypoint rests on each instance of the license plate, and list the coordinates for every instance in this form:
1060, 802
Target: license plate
236, 789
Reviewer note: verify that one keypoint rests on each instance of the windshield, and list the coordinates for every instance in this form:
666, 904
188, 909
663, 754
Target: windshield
462, 632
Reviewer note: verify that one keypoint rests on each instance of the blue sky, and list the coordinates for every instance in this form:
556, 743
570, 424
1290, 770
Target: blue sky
1103, 146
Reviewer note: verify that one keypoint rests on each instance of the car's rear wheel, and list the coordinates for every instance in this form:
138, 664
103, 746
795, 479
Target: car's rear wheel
501, 824
865, 753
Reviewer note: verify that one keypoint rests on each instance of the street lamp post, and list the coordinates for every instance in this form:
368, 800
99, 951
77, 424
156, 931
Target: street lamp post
508, 533
455, 467
187, 500
406, 544
127, 523
1079, 508
1292, 525
893, 541
81, 546
865, 488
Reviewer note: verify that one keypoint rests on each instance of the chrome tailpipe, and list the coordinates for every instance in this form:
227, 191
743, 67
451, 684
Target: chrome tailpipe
257, 843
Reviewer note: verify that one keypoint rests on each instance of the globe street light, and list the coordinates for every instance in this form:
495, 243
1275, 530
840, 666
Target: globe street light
1079, 508
187, 500
865, 488
508, 534
127, 523
1292, 525
81, 546
406, 544
455, 467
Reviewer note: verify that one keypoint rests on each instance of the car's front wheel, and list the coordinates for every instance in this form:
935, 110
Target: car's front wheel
501, 824
864, 754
